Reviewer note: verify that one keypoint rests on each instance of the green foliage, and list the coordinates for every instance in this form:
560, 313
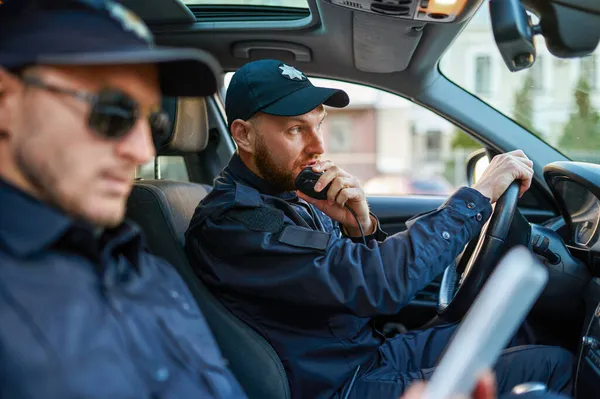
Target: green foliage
523, 104
460, 139
582, 131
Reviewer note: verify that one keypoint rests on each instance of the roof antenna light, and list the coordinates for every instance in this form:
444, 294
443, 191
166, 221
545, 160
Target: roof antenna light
435, 11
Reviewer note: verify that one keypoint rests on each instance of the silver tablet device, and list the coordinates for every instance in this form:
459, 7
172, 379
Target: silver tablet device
498, 311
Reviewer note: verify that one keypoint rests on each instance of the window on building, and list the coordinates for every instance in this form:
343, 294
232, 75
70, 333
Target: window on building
537, 74
340, 133
433, 145
589, 68
483, 74
560, 63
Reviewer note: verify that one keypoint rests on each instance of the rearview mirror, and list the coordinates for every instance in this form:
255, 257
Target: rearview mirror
513, 32
570, 28
477, 162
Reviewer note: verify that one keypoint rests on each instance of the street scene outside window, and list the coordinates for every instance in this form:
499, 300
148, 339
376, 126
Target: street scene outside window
393, 146
557, 99
165, 167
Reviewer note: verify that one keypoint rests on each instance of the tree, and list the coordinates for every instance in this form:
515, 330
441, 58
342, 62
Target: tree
460, 139
523, 104
582, 130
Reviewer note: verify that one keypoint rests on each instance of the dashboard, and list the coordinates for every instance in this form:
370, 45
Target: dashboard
583, 210
576, 187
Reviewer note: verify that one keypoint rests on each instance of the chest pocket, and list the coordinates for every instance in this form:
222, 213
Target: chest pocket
187, 332
168, 318
200, 358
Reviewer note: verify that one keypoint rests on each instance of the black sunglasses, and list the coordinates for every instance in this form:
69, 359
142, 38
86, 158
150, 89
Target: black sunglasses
113, 112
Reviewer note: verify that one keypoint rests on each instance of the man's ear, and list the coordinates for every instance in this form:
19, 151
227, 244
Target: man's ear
243, 135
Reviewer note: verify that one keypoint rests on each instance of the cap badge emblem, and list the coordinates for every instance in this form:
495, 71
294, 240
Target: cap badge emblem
291, 73
129, 21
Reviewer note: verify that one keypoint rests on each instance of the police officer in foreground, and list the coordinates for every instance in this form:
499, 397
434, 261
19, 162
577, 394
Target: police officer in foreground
85, 311
296, 270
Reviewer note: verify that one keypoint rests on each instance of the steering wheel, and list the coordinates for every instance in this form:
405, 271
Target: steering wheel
462, 281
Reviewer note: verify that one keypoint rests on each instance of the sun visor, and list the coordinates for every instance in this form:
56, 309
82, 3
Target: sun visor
374, 52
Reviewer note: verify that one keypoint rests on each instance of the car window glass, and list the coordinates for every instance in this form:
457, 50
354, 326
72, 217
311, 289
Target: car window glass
393, 146
557, 99
164, 167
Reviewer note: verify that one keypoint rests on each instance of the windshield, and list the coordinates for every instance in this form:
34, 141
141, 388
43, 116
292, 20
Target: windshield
556, 99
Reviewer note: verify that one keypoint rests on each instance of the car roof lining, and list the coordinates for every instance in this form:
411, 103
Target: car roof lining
379, 51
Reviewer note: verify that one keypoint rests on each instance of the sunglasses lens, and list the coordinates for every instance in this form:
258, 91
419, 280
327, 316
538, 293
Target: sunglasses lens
114, 113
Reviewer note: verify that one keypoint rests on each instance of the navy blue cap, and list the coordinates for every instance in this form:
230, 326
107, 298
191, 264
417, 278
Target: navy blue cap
98, 32
275, 88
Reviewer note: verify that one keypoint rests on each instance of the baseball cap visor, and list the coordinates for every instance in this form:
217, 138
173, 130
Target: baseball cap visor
183, 72
306, 99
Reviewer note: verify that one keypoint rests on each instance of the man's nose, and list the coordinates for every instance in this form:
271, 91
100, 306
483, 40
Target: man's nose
137, 146
316, 144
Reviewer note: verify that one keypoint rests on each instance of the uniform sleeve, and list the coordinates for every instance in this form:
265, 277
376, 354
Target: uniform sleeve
274, 259
378, 234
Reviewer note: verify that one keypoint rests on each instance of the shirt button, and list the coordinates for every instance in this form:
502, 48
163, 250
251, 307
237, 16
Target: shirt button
479, 217
446, 235
471, 205
186, 306
174, 294
162, 374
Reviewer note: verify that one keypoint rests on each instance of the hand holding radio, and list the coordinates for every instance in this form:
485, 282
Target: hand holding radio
337, 194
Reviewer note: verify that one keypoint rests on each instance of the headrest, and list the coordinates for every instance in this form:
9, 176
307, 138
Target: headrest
189, 132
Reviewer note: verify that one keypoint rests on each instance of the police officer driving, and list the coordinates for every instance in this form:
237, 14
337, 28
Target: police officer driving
86, 311
296, 269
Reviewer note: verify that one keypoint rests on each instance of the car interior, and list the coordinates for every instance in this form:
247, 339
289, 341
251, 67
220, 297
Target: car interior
395, 46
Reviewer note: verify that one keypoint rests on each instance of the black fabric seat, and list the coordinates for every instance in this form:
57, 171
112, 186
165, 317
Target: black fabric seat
163, 209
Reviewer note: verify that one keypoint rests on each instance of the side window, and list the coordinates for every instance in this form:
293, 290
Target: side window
393, 146
164, 167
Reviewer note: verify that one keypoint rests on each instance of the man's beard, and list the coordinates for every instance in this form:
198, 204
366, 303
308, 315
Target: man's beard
278, 177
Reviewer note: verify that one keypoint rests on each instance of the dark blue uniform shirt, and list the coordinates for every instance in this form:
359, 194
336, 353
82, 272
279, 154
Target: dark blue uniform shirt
88, 315
283, 267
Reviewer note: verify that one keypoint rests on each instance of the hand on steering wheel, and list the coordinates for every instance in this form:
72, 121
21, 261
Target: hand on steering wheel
504, 181
502, 171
